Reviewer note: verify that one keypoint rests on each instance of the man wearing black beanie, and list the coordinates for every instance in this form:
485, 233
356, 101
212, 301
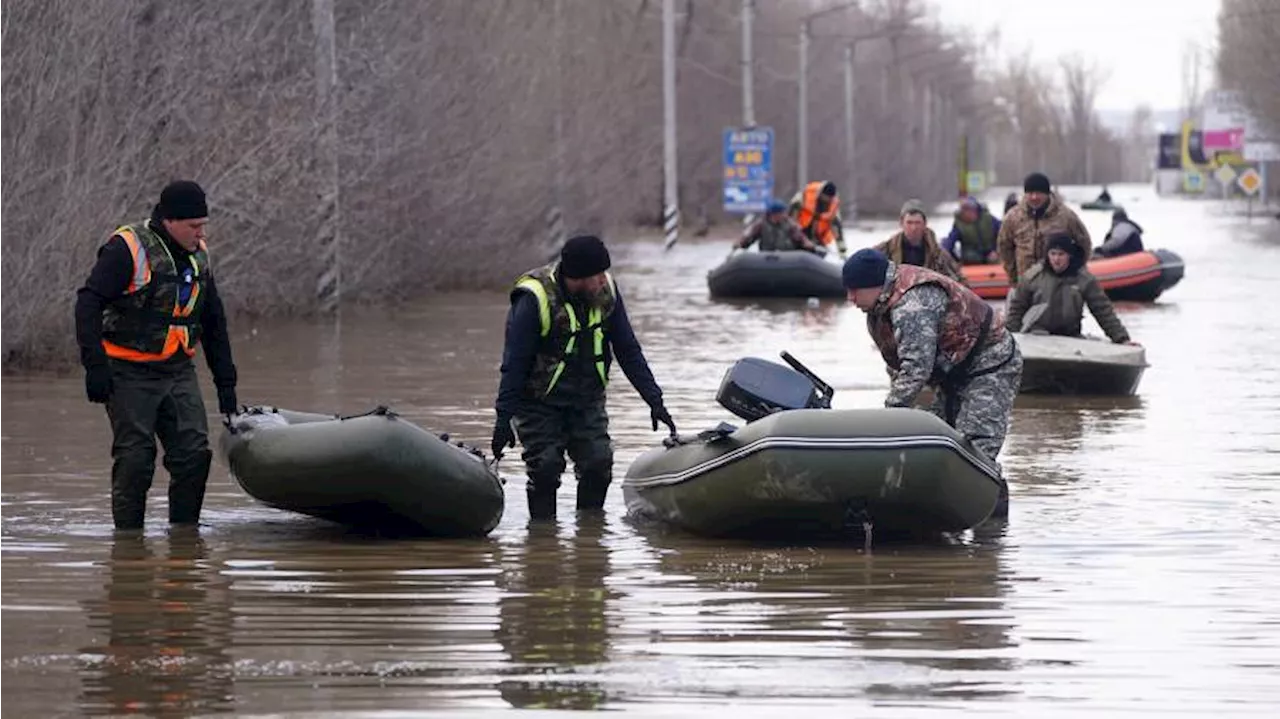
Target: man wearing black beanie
148, 302
566, 323
1028, 226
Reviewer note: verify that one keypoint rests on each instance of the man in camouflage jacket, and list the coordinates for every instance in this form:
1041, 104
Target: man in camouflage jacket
933, 331
1028, 226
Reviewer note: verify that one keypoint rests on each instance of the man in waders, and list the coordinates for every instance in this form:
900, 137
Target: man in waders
934, 331
148, 302
566, 323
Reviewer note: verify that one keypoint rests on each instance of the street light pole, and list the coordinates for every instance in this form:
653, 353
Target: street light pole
802, 145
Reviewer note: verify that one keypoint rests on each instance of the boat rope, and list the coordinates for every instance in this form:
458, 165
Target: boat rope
379, 411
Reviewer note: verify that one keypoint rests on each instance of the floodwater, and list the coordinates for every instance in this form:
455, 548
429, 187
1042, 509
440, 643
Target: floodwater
1135, 577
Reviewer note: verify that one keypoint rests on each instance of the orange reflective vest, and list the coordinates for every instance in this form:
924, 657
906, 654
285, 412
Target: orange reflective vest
819, 226
152, 321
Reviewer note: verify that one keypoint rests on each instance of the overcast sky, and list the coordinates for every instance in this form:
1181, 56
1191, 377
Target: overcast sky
1141, 42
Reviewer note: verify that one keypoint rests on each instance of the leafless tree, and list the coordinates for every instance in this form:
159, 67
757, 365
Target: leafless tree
457, 125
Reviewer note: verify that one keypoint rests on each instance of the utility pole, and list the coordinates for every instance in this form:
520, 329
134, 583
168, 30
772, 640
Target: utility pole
802, 142
671, 208
802, 146
748, 81
850, 137
329, 226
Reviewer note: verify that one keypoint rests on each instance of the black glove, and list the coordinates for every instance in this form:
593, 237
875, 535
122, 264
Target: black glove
503, 435
660, 414
97, 383
227, 399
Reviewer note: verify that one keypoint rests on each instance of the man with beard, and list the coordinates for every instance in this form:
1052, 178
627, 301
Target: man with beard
915, 244
1052, 297
1028, 226
566, 323
934, 332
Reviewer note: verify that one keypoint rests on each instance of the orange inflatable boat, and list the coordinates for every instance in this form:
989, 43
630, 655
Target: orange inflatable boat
1138, 277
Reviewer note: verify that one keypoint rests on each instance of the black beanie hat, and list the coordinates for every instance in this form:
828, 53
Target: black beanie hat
1064, 243
865, 268
182, 200
1036, 182
583, 256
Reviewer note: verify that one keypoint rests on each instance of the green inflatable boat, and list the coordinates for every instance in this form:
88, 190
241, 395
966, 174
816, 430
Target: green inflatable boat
374, 471
799, 468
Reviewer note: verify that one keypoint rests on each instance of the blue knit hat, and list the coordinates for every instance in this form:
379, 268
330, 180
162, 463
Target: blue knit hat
865, 268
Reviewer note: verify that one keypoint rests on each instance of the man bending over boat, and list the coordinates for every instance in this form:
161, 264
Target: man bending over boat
567, 321
776, 232
915, 244
1052, 297
933, 331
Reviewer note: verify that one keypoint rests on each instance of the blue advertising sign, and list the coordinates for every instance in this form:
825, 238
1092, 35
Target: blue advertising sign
748, 169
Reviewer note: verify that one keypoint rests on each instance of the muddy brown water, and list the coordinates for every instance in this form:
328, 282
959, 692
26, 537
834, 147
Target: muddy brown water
1135, 577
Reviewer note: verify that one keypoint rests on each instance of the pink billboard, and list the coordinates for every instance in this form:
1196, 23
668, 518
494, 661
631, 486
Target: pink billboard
1220, 140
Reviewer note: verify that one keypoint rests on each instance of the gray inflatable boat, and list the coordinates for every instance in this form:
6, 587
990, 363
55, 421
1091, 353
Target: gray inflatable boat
374, 471
776, 274
799, 468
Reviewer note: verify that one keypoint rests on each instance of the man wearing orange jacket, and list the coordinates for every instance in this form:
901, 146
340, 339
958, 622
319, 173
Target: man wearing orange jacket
147, 303
817, 211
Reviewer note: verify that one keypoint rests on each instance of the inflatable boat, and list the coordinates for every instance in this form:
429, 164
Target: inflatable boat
776, 274
801, 468
1136, 277
1076, 365
374, 471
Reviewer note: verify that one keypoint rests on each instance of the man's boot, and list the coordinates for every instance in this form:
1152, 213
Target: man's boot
591, 494
542, 502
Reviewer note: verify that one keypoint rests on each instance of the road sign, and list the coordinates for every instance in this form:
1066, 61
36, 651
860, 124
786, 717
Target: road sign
1225, 175
748, 169
1261, 151
1192, 181
1249, 181
976, 181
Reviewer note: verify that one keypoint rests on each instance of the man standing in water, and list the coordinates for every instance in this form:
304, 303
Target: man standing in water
147, 303
1027, 228
566, 322
934, 331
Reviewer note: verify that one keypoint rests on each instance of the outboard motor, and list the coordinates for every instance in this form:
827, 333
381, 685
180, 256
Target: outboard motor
754, 388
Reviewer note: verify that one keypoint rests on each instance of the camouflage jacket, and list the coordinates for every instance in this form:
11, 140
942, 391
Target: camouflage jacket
925, 326
1024, 235
1064, 298
934, 258
775, 237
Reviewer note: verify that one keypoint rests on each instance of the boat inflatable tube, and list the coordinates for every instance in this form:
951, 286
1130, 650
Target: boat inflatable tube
776, 274
1136, 277
375, 471
1053, 364
800, 468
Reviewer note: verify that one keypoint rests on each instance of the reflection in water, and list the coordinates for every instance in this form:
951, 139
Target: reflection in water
1049, 431
936, 612
553, 615
165, 625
